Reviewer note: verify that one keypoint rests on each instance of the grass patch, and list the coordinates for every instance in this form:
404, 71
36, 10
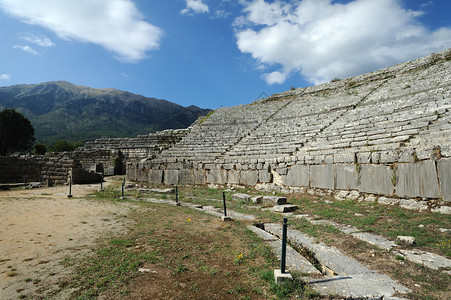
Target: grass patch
227, 259
201, 255
388, 221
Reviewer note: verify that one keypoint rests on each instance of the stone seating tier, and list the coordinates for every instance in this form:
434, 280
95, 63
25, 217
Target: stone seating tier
365, 125
379, 111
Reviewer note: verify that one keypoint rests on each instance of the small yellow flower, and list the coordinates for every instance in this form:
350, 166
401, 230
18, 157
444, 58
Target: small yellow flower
189, 220
240, 256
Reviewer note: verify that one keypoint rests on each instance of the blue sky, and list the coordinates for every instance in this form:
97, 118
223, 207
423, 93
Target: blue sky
213, 53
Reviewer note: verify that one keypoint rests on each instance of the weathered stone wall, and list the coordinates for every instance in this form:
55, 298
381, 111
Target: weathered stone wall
387, 132
106, 156
54, 170
105, 161
426, 179
110, 155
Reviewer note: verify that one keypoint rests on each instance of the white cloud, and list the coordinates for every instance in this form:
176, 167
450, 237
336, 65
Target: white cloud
26, 49
222, 14
116, 25
275, 77
323, 40
40, 41
5, 77
195, 6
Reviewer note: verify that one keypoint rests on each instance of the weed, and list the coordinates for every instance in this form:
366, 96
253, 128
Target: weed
444, 246
181, 268
394, 178
400, 257
122, 242
194, 287
239, 259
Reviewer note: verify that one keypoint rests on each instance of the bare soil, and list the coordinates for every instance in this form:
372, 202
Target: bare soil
208, 253
40, 227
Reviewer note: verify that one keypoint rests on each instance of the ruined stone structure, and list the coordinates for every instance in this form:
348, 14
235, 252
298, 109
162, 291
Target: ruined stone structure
143, 146
387, 132
53, 170
105, 156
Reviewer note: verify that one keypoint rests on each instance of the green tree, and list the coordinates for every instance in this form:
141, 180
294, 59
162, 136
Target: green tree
39, 149
63, 146
16, 132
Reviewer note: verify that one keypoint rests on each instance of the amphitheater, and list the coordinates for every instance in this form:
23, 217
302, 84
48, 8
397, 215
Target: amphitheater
383, 133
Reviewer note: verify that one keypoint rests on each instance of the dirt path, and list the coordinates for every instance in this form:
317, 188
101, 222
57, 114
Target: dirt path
40, 227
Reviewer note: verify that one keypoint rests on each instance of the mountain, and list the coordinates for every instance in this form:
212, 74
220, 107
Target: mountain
62, 110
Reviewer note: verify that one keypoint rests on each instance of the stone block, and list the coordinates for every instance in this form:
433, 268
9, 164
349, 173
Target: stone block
405, 240
171, 177
142, 175
387, 201
444, 172
298, 176
370, 199
284, 208
364, 157
109, 171
186, 176
442, 210
264, 176
249, 178
417, 180
217, 176
389, 157
344, 158
322, 176
199, 176
430, 260
257, 199
411, 204
346, 177
155, 176
375, 157
274, 200
233, 177
241, 196
353, 195
375, 179
341, 195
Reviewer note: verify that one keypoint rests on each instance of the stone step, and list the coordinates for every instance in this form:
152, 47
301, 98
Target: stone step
350, 278
294, 261
284, 208
274, 200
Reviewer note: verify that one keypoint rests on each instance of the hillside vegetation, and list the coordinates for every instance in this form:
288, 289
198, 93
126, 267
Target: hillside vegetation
61, 110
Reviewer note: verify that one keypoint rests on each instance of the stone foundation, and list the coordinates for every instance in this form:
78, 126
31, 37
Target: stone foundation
425, 179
